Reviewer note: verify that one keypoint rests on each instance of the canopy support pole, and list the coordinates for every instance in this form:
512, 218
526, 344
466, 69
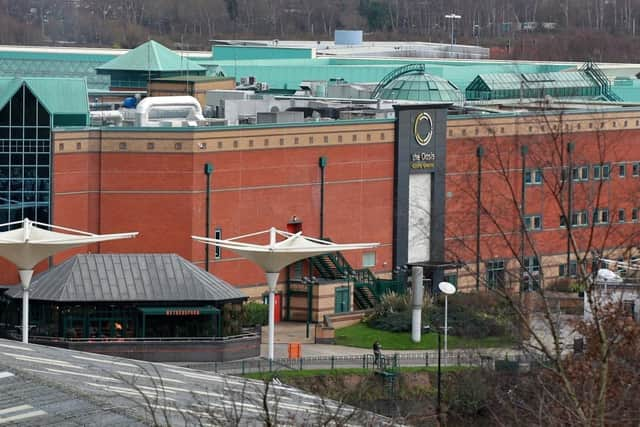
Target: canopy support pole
272, 280
25, 280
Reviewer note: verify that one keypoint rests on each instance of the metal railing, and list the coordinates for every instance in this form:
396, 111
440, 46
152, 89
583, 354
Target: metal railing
459, 358
47, 339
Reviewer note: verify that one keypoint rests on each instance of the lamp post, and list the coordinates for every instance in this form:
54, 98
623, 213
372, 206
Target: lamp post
452, 16
309, 281
208, 170
447, 289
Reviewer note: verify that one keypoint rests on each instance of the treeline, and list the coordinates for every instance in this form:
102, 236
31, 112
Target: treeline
192, 23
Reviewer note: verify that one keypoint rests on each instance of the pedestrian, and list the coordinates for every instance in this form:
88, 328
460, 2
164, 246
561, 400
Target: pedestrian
377, 352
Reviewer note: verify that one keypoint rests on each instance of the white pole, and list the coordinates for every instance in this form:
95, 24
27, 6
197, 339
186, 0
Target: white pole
452, 21
25, 316
446, 328
25, 279
416, 304
272, 280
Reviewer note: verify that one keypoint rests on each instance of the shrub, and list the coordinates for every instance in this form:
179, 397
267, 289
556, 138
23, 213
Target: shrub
255, 313
392, 322
467, 392
471, 315
465, 322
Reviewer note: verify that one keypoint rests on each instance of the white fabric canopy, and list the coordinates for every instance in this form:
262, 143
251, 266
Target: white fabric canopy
30, 244
282, 250
276, 255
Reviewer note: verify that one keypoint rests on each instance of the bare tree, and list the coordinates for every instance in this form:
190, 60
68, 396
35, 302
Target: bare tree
555, 179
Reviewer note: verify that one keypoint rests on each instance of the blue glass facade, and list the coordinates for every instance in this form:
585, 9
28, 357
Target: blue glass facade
25, 158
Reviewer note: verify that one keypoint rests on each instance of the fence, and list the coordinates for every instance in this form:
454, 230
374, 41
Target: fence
364, 361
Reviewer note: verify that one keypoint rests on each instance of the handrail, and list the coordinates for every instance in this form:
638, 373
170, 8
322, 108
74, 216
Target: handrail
596, 73
43, 338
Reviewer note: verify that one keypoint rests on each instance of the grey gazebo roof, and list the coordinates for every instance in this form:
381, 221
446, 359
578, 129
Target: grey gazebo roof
128, 277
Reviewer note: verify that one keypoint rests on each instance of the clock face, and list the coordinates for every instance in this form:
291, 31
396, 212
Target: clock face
423, 129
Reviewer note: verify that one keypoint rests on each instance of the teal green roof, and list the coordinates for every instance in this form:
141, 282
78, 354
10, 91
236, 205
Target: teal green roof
151, 56
288, 73
55, 64
8, 88
222, 52
574, 84
420, 86
59, 96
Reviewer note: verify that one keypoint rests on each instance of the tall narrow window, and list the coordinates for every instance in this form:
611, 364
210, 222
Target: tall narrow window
495, 273
25, 158
622, 170
218, 249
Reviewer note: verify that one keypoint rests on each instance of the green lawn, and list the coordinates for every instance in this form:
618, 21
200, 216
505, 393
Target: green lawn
361, 335
344, 371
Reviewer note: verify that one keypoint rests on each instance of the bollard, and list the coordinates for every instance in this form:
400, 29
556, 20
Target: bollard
364, 361
300, 363
270, 365
426, 359
333, 362
458, 358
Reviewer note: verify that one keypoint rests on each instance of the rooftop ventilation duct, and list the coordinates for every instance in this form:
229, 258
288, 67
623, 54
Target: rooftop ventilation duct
156, 111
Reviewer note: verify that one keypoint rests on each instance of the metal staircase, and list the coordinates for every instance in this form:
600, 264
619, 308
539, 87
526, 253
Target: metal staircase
596, 73
331, 266
367, 288
388, 370
364, 297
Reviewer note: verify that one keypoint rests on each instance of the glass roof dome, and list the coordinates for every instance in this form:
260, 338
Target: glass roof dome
420, 86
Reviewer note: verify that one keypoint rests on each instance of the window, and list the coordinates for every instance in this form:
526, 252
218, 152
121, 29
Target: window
533, 176
495, 273
580, 173
601, 216
622, 170
218, 249
621, 215
25, 155
629, 307
368, 259
579, 219
573, 269
635, 169
451, 277
533, 222
531, 279
601, 172
634, 214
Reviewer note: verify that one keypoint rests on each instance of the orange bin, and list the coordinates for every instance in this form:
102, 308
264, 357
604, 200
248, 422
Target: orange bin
295, 350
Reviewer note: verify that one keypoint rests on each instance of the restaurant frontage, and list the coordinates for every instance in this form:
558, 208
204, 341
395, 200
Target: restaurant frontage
134, 300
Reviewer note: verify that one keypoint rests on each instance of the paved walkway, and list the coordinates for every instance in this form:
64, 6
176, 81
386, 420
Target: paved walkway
293, 332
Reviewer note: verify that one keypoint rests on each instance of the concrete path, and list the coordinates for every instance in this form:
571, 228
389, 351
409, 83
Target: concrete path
292, 332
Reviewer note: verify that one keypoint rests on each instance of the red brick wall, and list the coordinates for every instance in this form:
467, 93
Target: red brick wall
162, 195
501, 178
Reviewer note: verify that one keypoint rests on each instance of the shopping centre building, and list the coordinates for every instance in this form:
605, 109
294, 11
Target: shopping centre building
552, 150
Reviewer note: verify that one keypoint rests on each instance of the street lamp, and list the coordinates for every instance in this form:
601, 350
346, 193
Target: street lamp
309, 282
452, 16
447, 289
